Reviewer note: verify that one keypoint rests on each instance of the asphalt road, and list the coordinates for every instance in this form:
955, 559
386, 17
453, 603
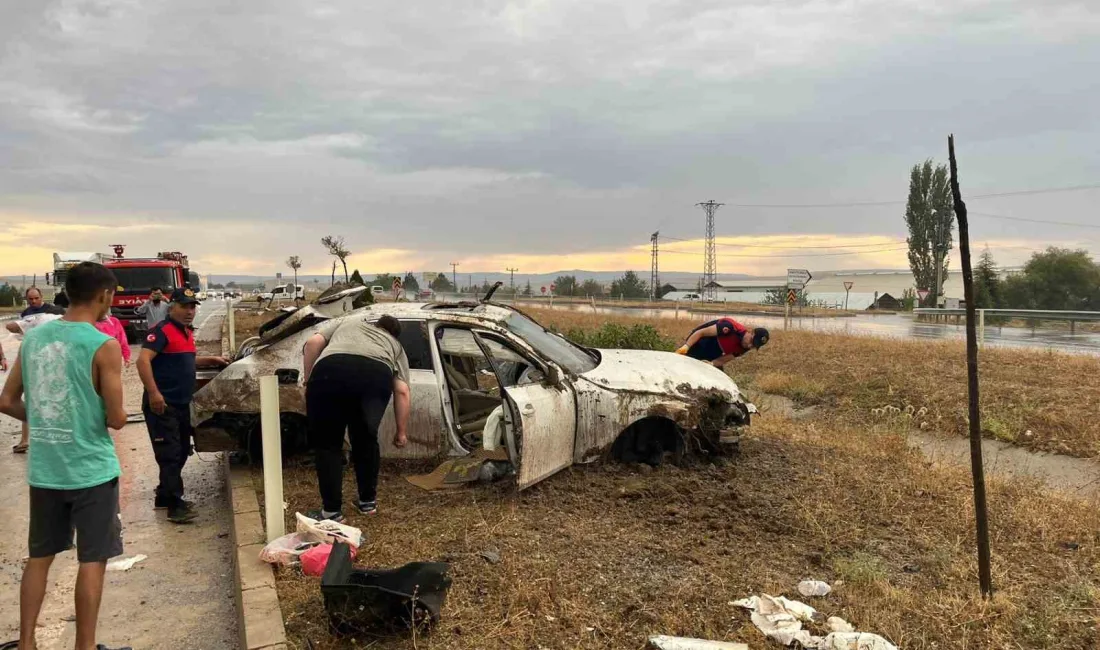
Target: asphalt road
182, 595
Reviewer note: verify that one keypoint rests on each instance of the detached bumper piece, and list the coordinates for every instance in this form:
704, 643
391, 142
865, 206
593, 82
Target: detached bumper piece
360, 600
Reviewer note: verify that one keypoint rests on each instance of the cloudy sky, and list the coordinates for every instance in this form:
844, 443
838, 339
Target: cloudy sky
540, 134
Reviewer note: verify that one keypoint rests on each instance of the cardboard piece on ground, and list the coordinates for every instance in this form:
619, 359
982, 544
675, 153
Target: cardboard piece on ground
455, 472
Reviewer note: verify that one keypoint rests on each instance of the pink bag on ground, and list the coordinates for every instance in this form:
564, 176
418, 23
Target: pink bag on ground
315, 559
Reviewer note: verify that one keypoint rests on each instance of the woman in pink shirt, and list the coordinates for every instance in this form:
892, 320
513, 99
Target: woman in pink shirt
112, 327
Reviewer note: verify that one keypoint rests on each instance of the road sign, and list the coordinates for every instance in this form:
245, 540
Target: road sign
543, 289
792, 296
798, 278
396, 284
848, 286
922, 294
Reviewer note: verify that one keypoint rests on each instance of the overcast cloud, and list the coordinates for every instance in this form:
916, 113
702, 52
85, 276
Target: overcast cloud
548, 133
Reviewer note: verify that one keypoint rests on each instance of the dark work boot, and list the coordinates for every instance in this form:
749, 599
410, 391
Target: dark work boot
181, 514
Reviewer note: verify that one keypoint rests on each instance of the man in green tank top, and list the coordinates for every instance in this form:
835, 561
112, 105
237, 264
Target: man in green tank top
70, 376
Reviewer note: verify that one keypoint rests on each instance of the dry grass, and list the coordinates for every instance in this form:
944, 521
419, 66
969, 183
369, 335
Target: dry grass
1036, 399
247, 321
603, 556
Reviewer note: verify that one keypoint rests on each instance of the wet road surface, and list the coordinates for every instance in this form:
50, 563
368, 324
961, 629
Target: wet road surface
883, 326
182, 595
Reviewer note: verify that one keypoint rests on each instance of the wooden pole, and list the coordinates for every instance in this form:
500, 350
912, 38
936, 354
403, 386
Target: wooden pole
985, 576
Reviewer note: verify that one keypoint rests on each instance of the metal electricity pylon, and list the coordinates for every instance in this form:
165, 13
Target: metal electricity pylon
710, 262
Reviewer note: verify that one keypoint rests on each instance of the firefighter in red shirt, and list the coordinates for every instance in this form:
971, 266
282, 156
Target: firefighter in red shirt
719, 341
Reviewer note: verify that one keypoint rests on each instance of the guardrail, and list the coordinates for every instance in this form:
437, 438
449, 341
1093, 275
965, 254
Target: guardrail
1073, 317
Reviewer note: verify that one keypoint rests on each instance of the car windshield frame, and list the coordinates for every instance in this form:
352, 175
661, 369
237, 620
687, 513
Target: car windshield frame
558, 349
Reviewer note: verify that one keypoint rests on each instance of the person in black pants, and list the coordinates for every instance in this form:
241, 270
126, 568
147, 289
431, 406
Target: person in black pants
352, 370
166, 367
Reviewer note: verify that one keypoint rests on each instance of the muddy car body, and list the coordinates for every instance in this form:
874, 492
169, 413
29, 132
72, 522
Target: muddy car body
486, 375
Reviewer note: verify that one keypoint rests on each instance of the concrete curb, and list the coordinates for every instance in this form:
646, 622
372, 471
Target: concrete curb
261, 620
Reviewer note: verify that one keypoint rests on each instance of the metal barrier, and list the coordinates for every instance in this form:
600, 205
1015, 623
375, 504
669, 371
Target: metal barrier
1073, 317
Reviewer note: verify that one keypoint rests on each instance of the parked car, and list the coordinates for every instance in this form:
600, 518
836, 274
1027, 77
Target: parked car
377, 290
486, 375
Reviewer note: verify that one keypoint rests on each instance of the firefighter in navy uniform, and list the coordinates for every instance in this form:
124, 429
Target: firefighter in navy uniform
167, 370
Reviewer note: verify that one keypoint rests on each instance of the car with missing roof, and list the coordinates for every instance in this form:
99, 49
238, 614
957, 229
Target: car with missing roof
485, 376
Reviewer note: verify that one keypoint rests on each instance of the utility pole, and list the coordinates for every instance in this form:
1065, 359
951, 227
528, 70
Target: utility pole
710, 264
454, 274
654, 280
512, 281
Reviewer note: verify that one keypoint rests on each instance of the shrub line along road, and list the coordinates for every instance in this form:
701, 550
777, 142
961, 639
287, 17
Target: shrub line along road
182, 595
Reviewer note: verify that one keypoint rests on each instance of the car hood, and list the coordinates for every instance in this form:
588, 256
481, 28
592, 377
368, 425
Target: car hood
658, 372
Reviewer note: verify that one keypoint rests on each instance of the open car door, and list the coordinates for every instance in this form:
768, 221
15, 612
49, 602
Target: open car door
540, 418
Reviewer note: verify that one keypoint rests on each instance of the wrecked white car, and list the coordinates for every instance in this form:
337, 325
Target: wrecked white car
484, 375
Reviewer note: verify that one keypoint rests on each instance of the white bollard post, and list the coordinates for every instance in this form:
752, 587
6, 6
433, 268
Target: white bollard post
232, 331
981, 328
273, 456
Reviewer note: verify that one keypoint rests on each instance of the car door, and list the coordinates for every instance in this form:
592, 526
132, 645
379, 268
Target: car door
540, 417
427, 429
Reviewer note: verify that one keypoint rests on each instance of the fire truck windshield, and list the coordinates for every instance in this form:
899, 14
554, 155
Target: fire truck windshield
140, 279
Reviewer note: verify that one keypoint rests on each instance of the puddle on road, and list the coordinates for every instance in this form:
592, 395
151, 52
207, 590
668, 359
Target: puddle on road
1077, 476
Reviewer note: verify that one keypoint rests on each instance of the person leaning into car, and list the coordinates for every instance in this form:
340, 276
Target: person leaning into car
719, 341
351, 369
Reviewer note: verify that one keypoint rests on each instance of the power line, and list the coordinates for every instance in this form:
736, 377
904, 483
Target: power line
860, 204
781, 247
1053, 223
672, 251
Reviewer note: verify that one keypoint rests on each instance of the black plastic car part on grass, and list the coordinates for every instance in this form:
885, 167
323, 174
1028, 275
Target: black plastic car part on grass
360, 600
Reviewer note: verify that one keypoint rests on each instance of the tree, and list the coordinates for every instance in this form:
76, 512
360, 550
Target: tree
441, 284
295, 263
384, 280
412, 287
930, 216
665, 290
10, 296
231, 285
356, 278
591, 287
527, 289
987, 284
335, 247
1056, 278
565, 285
630, 286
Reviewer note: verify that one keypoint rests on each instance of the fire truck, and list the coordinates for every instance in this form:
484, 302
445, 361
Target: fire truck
136, 278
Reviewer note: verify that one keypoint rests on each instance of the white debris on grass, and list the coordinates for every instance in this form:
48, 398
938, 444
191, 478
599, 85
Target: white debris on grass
837, 624
809, 588
662, 642
781, 620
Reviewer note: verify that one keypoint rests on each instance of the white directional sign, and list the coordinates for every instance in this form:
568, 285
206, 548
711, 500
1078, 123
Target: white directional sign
797, 278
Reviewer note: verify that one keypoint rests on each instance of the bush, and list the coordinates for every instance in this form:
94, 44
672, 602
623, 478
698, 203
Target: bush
616, 336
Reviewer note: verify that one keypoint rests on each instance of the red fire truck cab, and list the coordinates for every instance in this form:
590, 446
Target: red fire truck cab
136, 278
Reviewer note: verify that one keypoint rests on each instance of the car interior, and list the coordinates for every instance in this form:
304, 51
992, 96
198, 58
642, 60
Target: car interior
472, 382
